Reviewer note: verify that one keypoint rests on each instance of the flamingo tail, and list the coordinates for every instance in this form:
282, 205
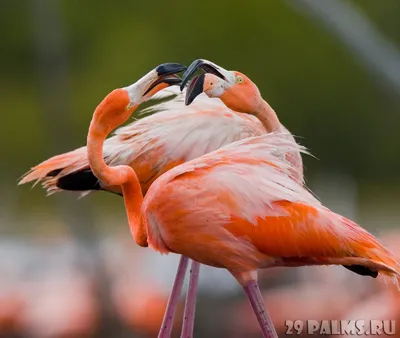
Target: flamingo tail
371, 258
69, 171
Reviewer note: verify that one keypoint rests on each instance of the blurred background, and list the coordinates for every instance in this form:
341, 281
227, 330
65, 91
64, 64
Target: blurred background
331, 70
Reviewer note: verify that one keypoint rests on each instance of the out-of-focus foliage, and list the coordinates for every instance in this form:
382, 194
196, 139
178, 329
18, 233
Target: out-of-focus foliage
384, 14
321, 93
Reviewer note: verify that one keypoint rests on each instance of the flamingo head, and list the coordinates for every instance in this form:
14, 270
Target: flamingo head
235, 89
159, 78
118, 105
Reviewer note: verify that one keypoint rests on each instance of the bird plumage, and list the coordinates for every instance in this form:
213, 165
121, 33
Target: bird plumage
240, 208
172, 134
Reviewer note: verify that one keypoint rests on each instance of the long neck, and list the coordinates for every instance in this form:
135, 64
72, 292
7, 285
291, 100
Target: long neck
95, 142
123, 175
105, 119
267, 117
133, 199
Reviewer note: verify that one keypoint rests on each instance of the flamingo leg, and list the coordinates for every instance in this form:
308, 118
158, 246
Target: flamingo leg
253, 293
190, 305
168, 321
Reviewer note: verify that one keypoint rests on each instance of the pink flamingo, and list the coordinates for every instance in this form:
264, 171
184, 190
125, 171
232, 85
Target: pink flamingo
245, 99
151, 146
58, 174
239, 207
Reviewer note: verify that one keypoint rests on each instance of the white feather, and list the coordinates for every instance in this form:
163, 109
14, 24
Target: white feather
254, 171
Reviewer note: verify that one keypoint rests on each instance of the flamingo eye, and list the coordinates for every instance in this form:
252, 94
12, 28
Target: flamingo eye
239, 79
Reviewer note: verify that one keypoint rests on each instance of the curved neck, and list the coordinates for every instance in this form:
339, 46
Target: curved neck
105, 119
133, 199
267, 117
123, 175
95, 142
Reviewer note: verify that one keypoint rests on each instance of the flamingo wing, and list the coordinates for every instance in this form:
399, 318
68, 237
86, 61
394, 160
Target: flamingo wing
246, 189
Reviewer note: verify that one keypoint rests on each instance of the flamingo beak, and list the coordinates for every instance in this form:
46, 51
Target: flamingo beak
166, 74
170, 68
196, 86
208, 67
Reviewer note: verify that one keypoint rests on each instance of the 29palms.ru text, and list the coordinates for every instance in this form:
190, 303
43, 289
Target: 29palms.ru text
341, 327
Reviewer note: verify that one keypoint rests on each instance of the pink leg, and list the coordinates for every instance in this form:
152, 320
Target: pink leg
253, 293
168, 321
190, 305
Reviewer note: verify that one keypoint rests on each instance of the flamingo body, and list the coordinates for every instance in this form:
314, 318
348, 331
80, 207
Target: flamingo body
239, 208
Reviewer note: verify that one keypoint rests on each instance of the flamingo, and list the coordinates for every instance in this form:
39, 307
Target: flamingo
57, 174
151, 146
239, 207
245, 100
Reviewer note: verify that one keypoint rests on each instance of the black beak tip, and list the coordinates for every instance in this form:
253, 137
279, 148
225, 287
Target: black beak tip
195, 89
170, 68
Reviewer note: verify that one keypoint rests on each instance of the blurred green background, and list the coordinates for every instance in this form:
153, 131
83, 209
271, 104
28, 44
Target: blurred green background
59, 58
